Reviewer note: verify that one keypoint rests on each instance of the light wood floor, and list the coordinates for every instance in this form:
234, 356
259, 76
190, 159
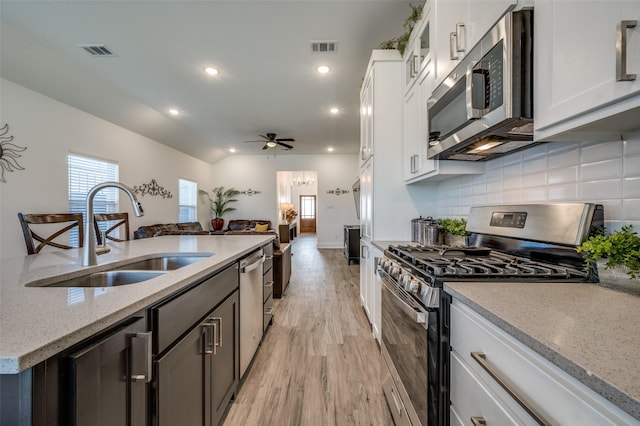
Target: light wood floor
319, 363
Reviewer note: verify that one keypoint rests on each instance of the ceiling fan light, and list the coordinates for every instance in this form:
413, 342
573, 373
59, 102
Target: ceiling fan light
271, 144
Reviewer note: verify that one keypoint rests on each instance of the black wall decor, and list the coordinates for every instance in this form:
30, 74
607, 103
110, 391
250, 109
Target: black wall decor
152, 188
338, 191
250, 192
8, 153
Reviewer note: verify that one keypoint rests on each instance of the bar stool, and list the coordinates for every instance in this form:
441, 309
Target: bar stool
122, 219
72, 220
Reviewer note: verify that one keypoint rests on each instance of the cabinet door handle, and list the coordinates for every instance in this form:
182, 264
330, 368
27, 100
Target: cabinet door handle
478, 421
460, 37
268, 311
453, 42
268, 284
480, 358
218, 333
414, 66
146, 356
621, 50
209, 328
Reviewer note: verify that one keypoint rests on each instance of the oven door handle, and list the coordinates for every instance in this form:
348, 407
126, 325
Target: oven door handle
416, 314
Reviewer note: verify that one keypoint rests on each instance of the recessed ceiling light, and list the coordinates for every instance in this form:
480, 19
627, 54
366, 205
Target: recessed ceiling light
323, 69
211, 71
334, 110
174, 111
232, 150
330, 149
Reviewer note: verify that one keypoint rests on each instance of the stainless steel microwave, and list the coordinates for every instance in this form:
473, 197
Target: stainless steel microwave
484, 107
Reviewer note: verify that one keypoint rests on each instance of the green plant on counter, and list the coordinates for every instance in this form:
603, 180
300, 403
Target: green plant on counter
400, 42
620, 248
221, 200
453, 226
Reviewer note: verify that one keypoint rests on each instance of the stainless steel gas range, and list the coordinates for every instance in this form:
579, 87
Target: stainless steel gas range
533, 242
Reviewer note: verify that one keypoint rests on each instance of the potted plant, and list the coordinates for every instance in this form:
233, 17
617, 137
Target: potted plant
454, 230
617, 257
220, 204
400, 43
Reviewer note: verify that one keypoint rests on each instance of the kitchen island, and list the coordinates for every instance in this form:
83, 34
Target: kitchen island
588, 331
39, 322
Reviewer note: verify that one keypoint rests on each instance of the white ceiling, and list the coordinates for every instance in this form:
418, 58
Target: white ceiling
267, 80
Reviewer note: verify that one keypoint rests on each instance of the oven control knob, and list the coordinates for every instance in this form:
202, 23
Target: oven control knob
394, 271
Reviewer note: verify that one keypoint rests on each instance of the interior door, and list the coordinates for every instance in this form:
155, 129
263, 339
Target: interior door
308, 213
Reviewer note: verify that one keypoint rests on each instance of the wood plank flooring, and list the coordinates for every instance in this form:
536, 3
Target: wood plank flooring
319, 363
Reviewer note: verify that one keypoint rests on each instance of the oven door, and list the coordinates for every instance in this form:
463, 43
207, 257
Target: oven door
404, 350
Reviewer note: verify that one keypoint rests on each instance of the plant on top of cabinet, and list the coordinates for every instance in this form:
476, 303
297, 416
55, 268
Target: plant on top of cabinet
617, 256
400, 42
220, 204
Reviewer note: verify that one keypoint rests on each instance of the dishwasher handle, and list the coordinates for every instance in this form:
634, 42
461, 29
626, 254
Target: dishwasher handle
247, 266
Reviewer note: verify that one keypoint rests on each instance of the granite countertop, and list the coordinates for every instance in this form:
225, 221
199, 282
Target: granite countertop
39, 322
591, 332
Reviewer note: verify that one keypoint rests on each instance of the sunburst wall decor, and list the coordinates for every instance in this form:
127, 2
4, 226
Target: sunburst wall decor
8, 153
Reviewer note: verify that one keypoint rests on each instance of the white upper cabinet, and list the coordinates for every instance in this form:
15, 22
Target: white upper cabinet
366, 119
460, 24
587, 69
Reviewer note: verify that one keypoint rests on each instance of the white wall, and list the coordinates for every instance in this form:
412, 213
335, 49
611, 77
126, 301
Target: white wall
259, 173
50, 130
606, 172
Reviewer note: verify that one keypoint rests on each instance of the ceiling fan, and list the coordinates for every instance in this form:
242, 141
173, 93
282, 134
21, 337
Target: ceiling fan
270, 141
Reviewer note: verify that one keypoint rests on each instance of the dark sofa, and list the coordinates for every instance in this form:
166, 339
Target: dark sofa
187, 228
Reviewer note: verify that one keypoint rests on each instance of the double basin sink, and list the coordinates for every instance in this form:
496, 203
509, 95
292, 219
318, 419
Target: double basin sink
124, 274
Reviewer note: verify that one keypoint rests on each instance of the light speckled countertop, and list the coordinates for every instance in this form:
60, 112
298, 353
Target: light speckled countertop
39, 322
591, 332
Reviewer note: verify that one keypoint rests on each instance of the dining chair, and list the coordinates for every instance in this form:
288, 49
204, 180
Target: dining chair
31, 237
120, 219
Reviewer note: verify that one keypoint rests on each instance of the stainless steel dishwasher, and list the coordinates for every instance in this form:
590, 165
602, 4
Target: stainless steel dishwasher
251, 308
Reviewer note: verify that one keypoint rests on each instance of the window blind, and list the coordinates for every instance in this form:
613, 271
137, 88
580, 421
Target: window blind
84, 174
187, 200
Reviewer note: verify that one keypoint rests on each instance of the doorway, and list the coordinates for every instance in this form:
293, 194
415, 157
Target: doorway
307, 214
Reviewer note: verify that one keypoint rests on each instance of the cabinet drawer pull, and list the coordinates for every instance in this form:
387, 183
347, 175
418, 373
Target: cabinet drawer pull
478, 421
480, 358
460, 37
268, 284
621, 50
453, 42
146, 357
268, 311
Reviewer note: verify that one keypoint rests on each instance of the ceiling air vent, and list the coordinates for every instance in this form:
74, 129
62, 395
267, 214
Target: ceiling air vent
96, 49
324, 46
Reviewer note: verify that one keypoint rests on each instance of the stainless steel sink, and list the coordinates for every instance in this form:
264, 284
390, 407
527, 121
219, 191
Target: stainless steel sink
124, 274
165, 263
108, 279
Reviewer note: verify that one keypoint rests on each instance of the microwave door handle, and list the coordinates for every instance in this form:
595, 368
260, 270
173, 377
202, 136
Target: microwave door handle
476, 108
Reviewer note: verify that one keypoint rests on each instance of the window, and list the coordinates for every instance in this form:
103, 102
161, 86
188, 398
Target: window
84, 174
188, 200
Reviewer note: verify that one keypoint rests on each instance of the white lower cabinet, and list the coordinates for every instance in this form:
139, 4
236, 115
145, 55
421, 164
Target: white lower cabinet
497, 378
370, 290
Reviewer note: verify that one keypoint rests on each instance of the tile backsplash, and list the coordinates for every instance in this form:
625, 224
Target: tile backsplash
607, 173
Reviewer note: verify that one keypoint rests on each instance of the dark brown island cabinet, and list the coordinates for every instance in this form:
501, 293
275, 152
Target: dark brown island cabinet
174, 363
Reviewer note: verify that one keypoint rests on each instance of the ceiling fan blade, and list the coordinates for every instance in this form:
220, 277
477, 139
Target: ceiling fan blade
265, 137
284, 144
286, 140
253, 141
